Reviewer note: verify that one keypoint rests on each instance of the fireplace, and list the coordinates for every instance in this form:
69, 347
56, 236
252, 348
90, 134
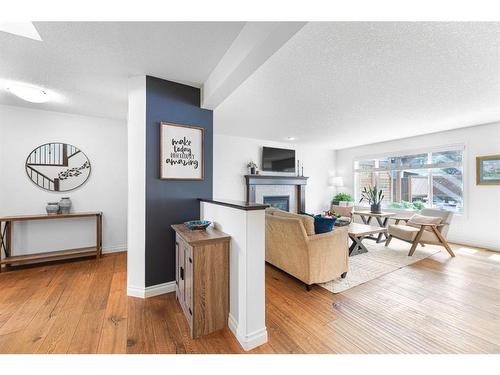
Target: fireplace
278, 186
279, 201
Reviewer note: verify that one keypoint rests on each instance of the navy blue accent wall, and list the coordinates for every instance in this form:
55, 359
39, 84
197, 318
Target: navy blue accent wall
167, 201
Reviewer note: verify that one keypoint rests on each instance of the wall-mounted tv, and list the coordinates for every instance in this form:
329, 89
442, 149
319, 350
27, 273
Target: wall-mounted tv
278, 159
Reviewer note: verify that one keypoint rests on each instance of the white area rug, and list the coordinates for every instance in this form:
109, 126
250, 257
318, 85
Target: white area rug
378, 261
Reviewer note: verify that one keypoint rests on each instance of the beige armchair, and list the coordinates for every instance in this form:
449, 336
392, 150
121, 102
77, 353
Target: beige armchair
430, 227
292, 246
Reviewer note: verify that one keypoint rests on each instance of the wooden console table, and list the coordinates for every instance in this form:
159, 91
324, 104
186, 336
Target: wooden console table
6, 239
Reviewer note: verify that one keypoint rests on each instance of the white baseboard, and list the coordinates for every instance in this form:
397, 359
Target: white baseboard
114, 249
133, 291
151, 291
156, 290
249, 341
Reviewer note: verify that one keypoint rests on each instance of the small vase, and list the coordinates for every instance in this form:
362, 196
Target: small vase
52, 208
65, 205
375, 208
252, 170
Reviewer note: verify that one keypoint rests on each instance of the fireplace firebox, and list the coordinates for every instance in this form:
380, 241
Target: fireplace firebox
279, 201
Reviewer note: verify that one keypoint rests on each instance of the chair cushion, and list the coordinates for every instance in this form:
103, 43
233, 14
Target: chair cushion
443, 214
307, 221
416, 220
342, 211
323, 224
405, 232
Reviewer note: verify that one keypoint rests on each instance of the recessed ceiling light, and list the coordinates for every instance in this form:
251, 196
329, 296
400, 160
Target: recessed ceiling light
31, 94
290, 138
24, 29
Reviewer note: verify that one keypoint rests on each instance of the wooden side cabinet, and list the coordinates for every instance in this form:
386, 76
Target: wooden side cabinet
202, 278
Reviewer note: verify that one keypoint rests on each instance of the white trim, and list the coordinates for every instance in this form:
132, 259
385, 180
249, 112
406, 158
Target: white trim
151, 291
156, 290
133, 291
250, 341
406, 167
424, 150
114, 249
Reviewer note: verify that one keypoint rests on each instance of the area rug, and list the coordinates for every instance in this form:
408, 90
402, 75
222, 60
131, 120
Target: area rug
378, 261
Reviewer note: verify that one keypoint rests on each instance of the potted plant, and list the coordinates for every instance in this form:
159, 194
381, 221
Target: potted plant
252, 167
342, 197
374, 197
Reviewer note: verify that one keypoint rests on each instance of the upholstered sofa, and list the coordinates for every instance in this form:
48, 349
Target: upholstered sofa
292, 246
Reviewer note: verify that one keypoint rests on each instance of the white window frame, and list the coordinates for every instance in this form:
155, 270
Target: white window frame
429, 165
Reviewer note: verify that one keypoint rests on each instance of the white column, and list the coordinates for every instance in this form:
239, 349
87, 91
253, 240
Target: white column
247, 318
136, 222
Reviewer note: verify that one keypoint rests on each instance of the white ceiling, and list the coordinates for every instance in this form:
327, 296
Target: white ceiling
347, 84
334, 84
87, 63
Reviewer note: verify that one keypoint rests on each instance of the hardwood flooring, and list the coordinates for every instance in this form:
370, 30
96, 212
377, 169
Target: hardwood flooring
438, 305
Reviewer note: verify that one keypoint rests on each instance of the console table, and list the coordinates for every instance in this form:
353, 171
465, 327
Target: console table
6, 239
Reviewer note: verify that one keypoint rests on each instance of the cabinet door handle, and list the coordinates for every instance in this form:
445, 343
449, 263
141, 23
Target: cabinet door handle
182, 273
190, 260
190, 312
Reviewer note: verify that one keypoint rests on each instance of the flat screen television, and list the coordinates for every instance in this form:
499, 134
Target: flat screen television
278, 159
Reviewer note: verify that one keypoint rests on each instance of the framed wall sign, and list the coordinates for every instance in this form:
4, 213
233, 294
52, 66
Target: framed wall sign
181, 152
57, 167
488, 170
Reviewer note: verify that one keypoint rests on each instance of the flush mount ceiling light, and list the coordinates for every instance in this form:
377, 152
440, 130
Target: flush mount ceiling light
290, 138
31, 94
24, 29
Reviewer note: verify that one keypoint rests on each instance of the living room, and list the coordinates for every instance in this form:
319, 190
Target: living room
249, 187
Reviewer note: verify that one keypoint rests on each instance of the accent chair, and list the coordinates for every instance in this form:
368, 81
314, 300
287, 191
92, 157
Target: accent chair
430, 227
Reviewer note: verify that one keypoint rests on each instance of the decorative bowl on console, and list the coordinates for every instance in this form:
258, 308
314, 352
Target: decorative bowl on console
197, 224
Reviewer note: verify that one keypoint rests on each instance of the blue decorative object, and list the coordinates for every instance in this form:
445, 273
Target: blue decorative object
323, 224
197, 224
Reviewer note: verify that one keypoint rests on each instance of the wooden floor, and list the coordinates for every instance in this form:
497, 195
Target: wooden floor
438, 305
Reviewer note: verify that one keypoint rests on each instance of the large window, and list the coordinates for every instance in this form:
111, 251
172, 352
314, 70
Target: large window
415, 180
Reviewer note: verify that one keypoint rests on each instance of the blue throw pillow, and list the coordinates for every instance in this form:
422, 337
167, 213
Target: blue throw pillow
323, 224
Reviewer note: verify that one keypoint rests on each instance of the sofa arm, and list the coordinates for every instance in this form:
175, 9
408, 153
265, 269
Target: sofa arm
328, 255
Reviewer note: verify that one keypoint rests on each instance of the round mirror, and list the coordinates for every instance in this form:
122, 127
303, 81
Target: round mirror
58, 167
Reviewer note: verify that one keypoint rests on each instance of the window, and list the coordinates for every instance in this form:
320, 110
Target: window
415, 180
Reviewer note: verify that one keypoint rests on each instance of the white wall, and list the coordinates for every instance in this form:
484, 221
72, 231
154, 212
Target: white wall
480, 223
231, 155
136, 138
105, 144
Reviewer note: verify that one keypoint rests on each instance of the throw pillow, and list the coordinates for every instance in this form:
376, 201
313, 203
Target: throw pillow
417, 219
323, 224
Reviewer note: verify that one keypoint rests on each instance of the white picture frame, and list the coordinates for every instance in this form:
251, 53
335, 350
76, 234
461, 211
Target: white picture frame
181, 152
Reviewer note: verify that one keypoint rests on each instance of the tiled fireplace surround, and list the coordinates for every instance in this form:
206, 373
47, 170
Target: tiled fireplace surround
260, 186
262, 191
